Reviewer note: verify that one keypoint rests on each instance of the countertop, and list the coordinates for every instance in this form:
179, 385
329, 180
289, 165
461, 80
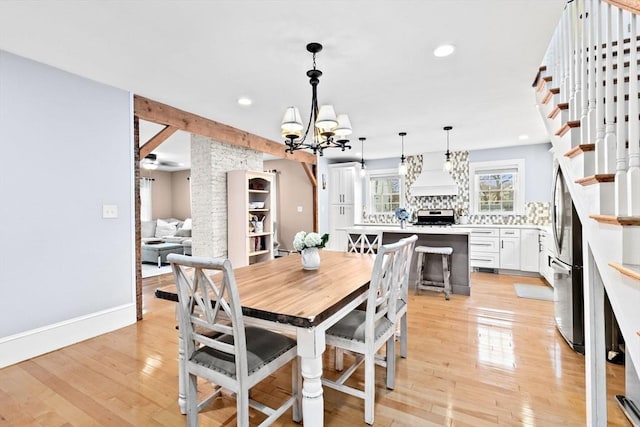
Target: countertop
428, 229
412, 229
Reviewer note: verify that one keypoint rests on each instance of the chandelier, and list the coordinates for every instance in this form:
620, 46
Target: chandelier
328, 129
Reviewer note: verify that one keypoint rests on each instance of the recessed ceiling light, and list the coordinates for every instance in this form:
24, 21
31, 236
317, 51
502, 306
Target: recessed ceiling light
523, 137
444, 50
244, 101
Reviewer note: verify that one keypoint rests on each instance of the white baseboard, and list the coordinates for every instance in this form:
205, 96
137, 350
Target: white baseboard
25, 345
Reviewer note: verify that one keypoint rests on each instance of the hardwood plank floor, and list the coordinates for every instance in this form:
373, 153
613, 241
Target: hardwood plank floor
491, 359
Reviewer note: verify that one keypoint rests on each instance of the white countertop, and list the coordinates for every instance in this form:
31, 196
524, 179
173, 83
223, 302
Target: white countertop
427, 229
417, 229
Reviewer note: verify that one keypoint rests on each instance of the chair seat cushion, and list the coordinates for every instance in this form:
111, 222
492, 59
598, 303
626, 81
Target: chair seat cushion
352, 326
263, 346
434, 250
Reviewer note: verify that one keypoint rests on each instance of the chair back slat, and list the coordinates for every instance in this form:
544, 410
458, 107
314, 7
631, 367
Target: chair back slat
404, 269
208, 305
382, 288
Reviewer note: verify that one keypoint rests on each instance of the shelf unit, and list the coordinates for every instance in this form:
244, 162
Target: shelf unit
246, 245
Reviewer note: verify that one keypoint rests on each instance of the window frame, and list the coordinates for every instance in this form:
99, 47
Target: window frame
498, 167
380, 173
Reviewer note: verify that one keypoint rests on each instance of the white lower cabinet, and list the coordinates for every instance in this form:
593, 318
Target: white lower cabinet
510, 248
339, 217
529, 250
507, 248
484, 248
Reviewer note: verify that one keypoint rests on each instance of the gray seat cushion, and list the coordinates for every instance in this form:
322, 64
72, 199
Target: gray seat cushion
263, 346
351, 326
434, 250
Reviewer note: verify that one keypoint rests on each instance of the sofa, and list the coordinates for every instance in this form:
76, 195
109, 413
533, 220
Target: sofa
165, 230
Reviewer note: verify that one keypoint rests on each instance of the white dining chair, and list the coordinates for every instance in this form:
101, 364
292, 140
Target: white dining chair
403, 292
364, 332
217, 345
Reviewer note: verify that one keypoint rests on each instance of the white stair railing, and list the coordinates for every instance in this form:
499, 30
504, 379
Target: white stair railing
580, 61
633, 173
621, 129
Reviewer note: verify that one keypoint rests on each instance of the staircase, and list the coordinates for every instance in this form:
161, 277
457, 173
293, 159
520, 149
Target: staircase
587, 92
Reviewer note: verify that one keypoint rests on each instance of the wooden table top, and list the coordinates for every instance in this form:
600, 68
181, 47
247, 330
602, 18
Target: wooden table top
280, 290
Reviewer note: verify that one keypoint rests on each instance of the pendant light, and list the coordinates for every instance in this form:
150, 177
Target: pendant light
363, 170
402, 167
447, 155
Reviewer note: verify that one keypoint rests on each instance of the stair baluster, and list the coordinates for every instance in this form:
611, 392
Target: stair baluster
621, 205
633, 173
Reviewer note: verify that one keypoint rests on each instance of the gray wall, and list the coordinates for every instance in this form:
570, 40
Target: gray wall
538, 167
67, 150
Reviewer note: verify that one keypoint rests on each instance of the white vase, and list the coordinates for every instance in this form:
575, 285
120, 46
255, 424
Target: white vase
310, 259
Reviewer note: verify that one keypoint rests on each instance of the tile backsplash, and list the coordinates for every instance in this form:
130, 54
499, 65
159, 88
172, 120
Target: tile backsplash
537, 213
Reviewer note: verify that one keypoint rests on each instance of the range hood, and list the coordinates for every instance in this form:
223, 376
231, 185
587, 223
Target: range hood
433, 180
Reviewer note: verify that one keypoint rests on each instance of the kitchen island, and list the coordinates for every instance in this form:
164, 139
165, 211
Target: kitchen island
365, 238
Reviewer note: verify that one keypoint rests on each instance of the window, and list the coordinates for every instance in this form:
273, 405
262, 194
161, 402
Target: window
146, 191
384, 190
497, 188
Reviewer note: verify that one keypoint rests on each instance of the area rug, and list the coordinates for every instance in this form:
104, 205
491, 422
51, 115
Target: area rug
534, 291
151, 270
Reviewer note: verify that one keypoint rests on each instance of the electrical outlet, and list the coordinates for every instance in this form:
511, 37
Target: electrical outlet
109, 211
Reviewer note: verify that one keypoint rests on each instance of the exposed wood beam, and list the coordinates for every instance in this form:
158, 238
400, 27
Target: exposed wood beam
156, 140
310, 174
138, 226
157, 112
632, 6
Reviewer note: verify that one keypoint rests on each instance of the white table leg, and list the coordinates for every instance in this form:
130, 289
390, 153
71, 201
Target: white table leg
310, 348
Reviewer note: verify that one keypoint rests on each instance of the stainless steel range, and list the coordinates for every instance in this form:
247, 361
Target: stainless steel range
440, 217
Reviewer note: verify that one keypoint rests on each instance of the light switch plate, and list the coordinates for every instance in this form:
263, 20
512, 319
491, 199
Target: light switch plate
299, 208
109, 211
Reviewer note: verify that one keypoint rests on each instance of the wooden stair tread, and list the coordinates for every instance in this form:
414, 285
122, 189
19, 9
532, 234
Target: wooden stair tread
596, 179
579, 149
559, 107
631, 270
616, 220
567, 126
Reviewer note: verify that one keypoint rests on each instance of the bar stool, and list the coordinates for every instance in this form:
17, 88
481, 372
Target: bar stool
429, 285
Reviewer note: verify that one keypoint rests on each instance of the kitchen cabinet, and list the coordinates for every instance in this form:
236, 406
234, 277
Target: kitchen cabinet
547, 252
340, 216
529, 250
345, 196
250, 208
342, 182
484, 248
510, 248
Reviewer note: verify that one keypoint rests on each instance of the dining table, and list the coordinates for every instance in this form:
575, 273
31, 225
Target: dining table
280, 295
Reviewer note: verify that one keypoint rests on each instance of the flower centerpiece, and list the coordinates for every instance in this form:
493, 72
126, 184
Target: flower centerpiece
402, 215
308, 244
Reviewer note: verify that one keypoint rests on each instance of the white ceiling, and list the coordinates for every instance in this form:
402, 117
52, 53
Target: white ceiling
377, 61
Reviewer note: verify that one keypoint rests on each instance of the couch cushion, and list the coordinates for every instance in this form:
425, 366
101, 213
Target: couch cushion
148, 229
163, 229
187, 224
183, 233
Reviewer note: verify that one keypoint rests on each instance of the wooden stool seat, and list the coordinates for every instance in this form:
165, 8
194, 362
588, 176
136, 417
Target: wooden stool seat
430, 285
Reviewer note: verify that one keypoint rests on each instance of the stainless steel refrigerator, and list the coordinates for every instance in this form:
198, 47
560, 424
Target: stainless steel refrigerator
567, 266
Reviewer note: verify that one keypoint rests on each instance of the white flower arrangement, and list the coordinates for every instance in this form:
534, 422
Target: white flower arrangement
304, 240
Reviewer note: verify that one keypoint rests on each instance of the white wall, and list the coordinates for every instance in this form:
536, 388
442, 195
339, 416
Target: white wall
66, 274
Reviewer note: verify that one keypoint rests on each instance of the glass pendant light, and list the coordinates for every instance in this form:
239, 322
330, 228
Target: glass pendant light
402, 167
447, 155
363, 170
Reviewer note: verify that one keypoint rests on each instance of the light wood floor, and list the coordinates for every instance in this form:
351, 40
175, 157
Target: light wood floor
485, 360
